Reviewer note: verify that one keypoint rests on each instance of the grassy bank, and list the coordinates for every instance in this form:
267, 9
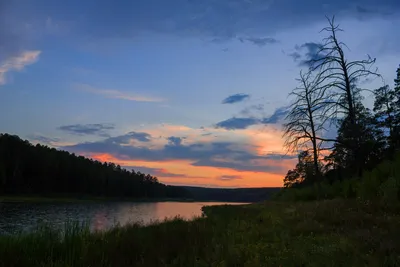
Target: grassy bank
325, 233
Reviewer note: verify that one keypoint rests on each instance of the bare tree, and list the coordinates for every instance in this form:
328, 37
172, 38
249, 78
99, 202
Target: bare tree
307, 117
338, 74
329, 91
340, 79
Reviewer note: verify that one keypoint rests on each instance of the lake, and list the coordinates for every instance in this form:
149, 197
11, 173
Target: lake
15, 217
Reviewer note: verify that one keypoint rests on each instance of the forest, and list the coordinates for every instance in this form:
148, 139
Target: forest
27, 169
363, 157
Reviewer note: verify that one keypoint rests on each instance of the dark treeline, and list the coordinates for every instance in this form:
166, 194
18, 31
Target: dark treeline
40, 170
330, 95
231, 194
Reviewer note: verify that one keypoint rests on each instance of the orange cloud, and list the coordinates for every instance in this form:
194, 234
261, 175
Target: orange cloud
104, 158
265, 139
265, 142
111, 93
200, 175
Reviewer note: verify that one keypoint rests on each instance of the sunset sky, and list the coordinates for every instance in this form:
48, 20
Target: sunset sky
191, 91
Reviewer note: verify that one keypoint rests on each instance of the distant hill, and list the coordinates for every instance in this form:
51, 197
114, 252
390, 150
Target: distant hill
230, 195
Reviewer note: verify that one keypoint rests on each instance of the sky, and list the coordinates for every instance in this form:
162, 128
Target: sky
193, 92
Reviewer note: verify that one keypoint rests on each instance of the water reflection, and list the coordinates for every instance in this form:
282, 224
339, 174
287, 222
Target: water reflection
15, 217
186, 210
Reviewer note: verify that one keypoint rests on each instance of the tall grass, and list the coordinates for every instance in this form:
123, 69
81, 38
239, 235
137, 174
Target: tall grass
324, 233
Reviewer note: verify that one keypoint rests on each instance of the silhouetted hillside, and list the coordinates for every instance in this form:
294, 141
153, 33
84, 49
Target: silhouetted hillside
41, 170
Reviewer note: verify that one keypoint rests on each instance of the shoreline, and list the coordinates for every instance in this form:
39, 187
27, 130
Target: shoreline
88, 199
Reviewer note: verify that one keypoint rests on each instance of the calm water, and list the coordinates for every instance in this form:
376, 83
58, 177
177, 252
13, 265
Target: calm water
16, 217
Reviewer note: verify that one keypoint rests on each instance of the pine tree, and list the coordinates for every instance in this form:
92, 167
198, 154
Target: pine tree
396, 130
385, 111
397, 80
365, 152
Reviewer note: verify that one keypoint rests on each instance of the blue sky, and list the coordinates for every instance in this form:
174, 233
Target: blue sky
119, 80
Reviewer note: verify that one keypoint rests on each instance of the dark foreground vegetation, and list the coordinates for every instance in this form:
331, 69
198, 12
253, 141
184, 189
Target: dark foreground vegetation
379, 184
324, 233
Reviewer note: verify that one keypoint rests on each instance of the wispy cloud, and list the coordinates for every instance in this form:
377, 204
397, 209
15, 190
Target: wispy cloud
235, 98
157, 172
250, 110
241, 123
43, 139
17, 63
307, 52
49, 141
278, 115
229, 177
237, 123
88, 129
259, 41
161, 172
111, 93
175, 141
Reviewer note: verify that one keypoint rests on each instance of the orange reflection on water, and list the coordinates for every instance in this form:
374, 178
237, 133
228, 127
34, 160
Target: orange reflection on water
127, 213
